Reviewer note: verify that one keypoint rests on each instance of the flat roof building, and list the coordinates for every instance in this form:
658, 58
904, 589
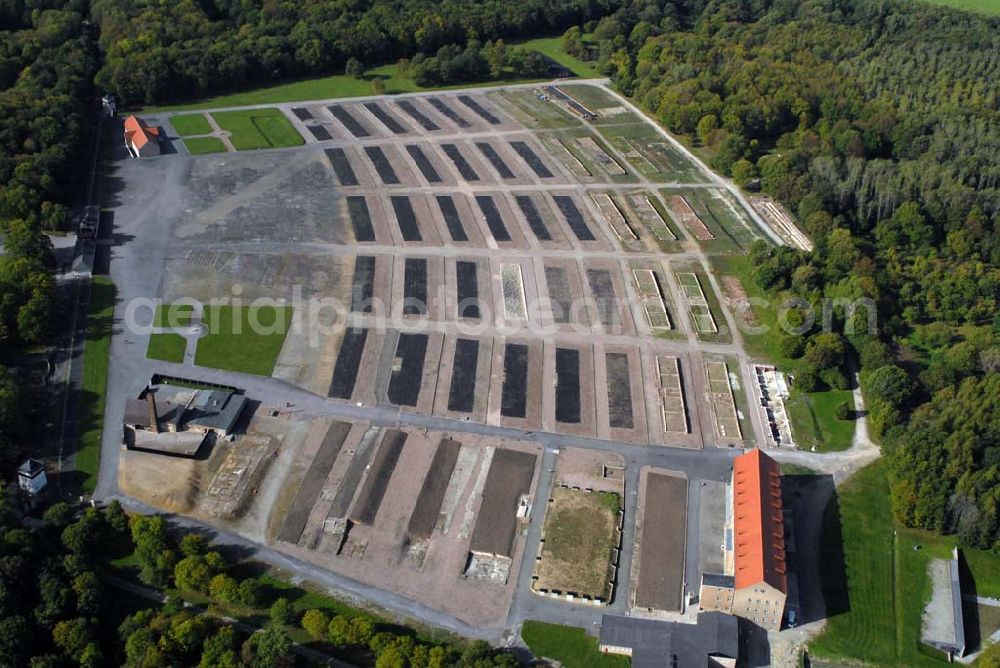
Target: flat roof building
712, 641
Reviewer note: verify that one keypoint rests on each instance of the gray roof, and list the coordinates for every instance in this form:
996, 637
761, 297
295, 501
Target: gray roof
30, 468
187, 408
657, 644
718, 580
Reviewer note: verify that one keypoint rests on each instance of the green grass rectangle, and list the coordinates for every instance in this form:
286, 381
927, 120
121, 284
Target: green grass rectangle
204, 145
96, 353
173, 315
258, 128
191, 124
166, 347
572, 647
233, 344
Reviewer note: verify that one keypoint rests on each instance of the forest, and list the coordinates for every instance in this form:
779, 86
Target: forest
878, 124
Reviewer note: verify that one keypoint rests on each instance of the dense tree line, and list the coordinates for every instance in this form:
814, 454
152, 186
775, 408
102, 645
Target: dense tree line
877, 123
453, 64
161, 51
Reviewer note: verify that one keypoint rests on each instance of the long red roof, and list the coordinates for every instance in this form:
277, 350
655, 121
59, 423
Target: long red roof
758, 526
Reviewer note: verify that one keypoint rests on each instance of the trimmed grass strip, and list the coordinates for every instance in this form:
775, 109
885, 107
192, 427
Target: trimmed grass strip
203, 145
96, 353
258, 128
233, 345
191, 124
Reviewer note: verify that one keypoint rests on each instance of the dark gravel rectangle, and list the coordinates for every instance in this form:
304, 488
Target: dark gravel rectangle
405, 218
415, 286
418, 116
388, 120
312, 483
348, 121
363, 284
603, 290
467, 289
451, 218
428, 509
559, 293
490, 153
448, 112
574, 218
479, 109
345, 371
530, 157
319, 132
341, 166
382, 165
514, 394
461, 164
302, 113
404, 385
377, 481
425, 166
352, 478
534, 218
661, 554
462, 393
361, 218
508, 480
493, 220
568, 385
619, 391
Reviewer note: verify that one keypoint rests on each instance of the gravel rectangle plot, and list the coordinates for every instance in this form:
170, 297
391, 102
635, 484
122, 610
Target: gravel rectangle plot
387, 119
404, 385
530, 157
508, 480
559, 293
448, 112
461, 164
493, 220
425, 166
498, 164
312, 483
382, 165
568, 385
428, 507
352, 478
362, 284
467, 289
574, 218
302, 113
418, 116
361, 218
534, 218
603, 290
405, 218
451, 218
619, 391
352, 124
462, 393
661, 554
415, 286
373, 491
514, 394
319, 132
479, 109
345, 371
341, 166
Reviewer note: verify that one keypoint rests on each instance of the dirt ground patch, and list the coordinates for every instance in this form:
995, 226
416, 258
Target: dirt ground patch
738, 300
580, 537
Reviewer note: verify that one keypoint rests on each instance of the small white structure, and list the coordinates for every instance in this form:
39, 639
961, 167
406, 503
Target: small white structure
31, 477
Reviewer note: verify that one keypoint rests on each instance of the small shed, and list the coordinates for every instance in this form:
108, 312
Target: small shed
31, 477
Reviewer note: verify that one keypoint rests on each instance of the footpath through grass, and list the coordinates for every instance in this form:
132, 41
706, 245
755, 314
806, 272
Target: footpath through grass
96, 353
258, 128
246, 339
572, 647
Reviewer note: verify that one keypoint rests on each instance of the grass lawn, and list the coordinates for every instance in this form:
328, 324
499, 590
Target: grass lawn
191, 124
166, 347
172, 315
580, 538
552, 47
233, 345
876, 593
814, 423
203, 145
258, 128
96, 352
570, 646
981, 6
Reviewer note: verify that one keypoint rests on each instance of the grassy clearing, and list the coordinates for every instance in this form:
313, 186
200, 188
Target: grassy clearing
570, 646
232, 343
96, 353
258, 128
204, 145
979, 6
732, 230
166, 347
533, 112
191, 124
814, 424
580, 538
650, 153
594, 98
552, 47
